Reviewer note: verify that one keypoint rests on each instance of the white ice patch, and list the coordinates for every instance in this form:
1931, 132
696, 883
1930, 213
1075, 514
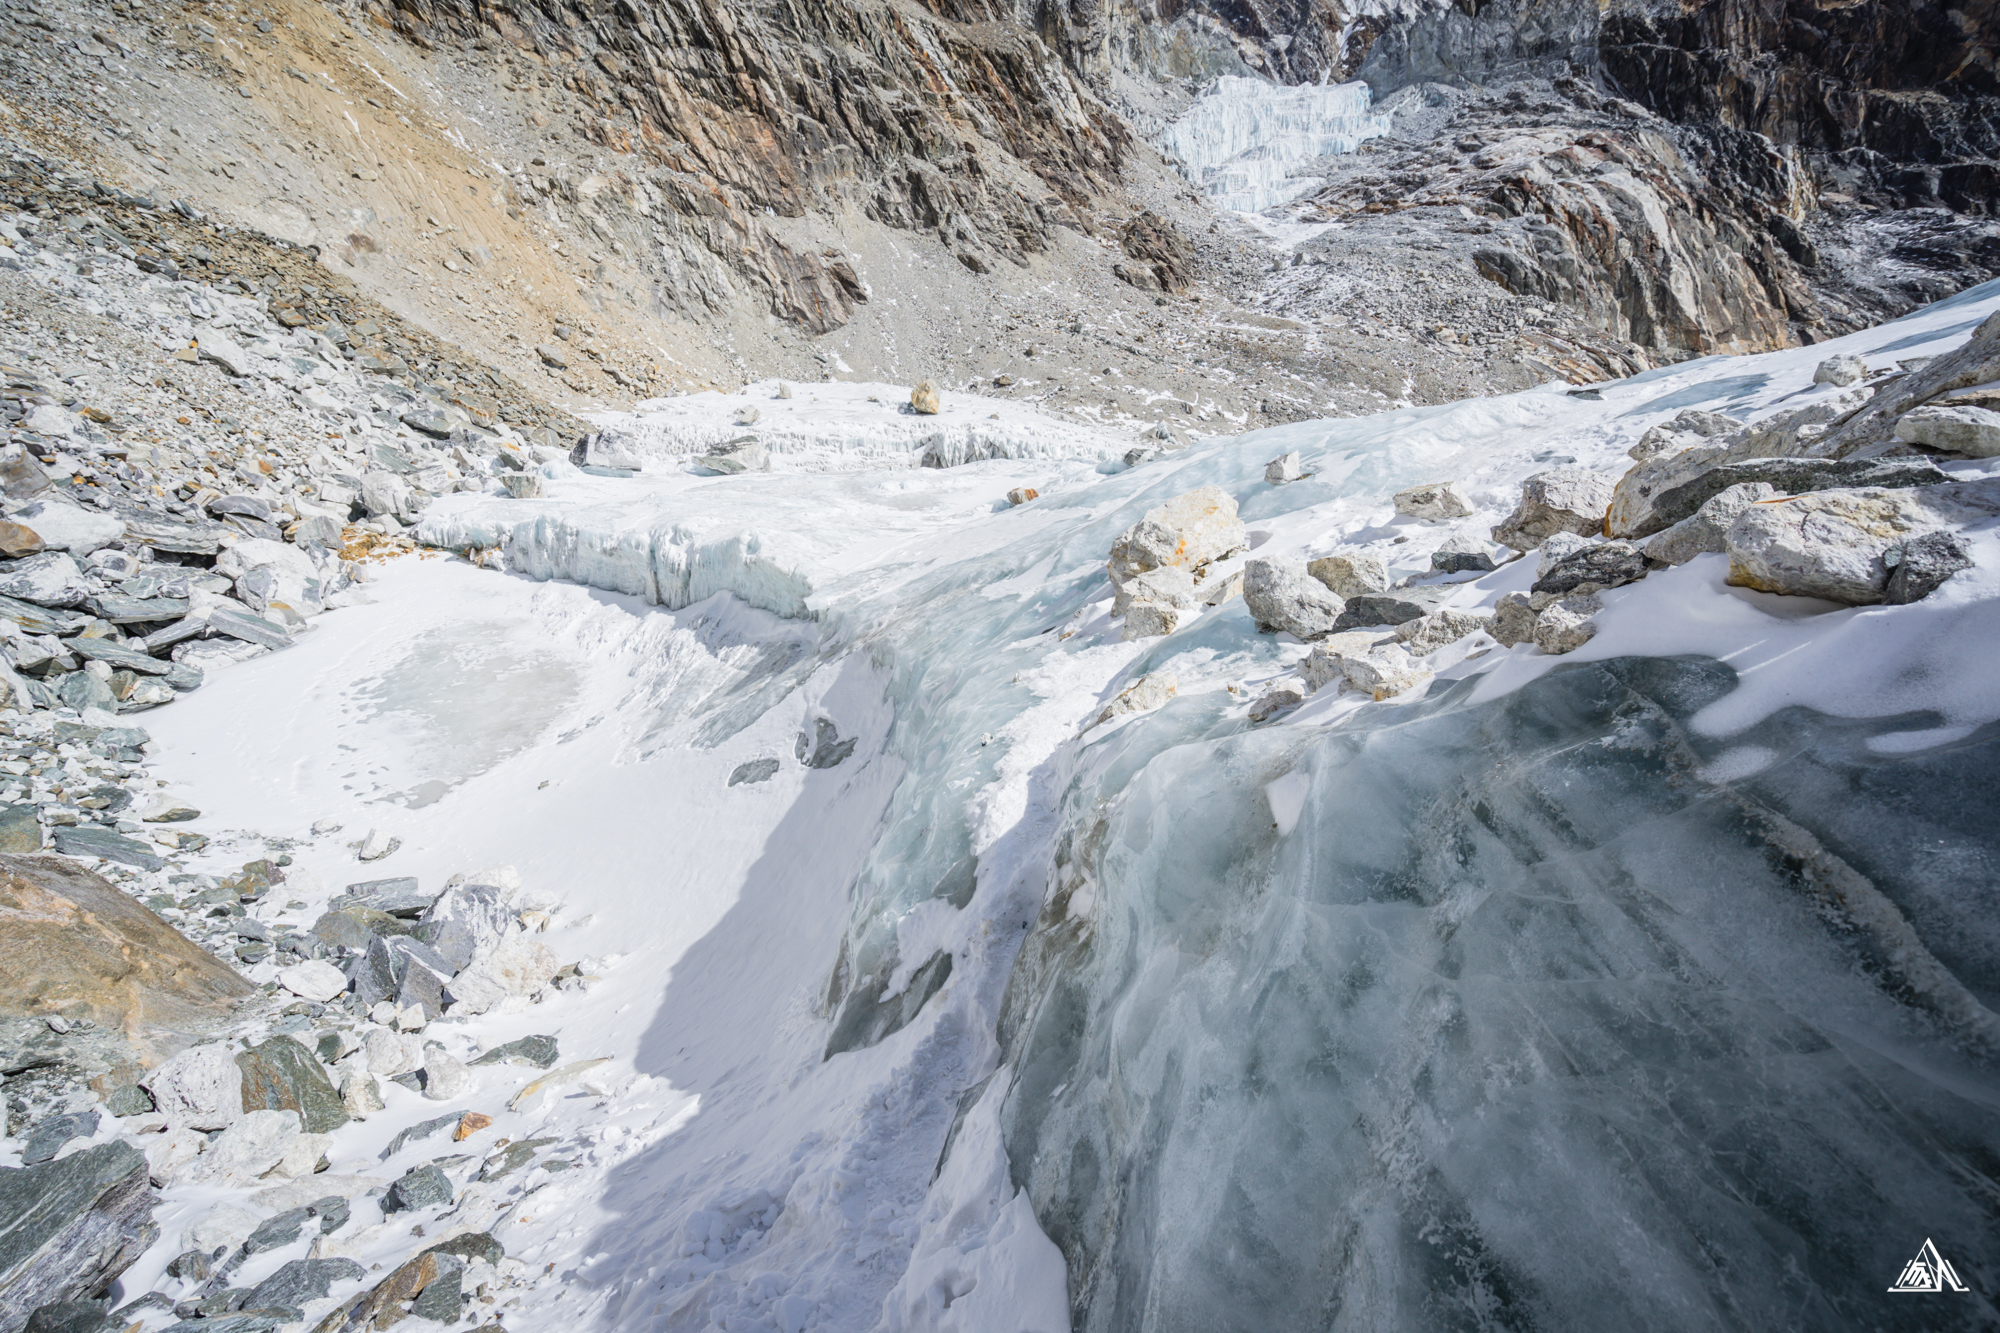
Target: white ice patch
1244, 139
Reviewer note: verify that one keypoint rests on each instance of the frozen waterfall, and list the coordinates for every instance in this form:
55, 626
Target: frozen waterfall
1244, 139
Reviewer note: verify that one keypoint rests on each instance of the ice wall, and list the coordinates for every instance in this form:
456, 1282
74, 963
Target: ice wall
1244, 139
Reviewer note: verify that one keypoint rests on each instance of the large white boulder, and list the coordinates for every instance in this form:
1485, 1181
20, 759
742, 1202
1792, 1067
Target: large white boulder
1955, 429
1281, 595
1188, 532
1834, 543
1563, 500
201, 1088
515, 966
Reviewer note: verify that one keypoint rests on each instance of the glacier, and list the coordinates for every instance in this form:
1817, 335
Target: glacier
1244, 140
1650, 986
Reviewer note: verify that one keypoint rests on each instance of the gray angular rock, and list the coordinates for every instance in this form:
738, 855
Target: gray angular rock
68, 1228
1954, 429
1605, 564
422, 1187
1281, 595
1434, 501
1389, 608
753, 770
1841, 371
537, 1050
1566, 625
48, 1135
1280, 700
49, 579
1789, 476
1462, 554
1561, 500
199, 1089
1426, 634
466, 920
71, 1317
300, 1281
1150, 620
91, 840
1170, 586
1351, 574
823, 748
1920, 566
1284, 468
1702, 531
744, 455
280, 1074
1514, 618
398, 896
522, 485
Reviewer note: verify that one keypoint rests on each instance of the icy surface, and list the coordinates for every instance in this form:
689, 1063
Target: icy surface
1646, 987
1244, 139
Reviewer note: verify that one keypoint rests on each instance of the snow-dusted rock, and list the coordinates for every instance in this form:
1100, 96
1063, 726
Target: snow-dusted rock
1150, 620
268, 572
465, 921
315, 979
1148, 694
360, 1094
252, 1145
48, 579
1833, 543
1841, 371
1514, 618
515, 966
1433, 501
1350, 575
1559, 548
1427, 634
386, 493
1973, 431
221, 351
1326, 663
1566, 625
1188, 532
1702, 531
445, 1078
303, 1157
1463, 554
63, 526
389, 1053
1563, 500
1384, 672
747, 455
1284, 468
1685, 431
223, 1226
1169, 586
1654, 496
201, 1088
1603, 564
1281, 595
1282, 699
1921, 565
377, 845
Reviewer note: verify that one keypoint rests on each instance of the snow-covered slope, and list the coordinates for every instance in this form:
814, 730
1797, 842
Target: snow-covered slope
1491, 1007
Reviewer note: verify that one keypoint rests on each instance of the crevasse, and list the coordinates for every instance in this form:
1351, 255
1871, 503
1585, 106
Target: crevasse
1244, 139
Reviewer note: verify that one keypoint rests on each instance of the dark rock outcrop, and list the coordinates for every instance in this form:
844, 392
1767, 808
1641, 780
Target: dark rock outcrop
68, 1228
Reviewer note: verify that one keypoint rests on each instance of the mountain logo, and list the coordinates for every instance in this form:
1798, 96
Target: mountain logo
1929, 1271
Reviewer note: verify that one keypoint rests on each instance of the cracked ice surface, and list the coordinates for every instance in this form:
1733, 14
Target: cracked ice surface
1242, 140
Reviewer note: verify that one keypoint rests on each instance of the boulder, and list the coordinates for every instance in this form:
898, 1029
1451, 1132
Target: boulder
1841, 371
1566, 625
1463, 554
315, 979
522, 485
1150, 620
68, 938
279, 1074
466, 920
353, 927
1563, 500
49, 579
199, 1089
398, 896
1558, 549
389, 1053
1282, 596
1020, 495
1384, 673
1188, 532
1326, 663
1686, 482
270, 573
1280, 700
1973, 431
1685, 431
1170, 586
927, 399
360, 1094
386, 493
17, 540
1434, 501
1976, 361
1603, 564
1702, 531
63, 526
402, 970
1514, 619
1426, 634
445, 1078
300, 1281
1350, 575
49, 1135
1148, 694
1920, 566
1389, 608
516, 966
251, 1146
68, 1228
1834, 544
422, 1187
745, 455
537, 1050
1283, 469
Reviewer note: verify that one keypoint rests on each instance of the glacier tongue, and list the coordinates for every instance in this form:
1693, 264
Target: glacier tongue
1243, 139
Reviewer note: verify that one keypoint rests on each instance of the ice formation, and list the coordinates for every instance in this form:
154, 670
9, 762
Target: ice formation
1244, 139
1648, 986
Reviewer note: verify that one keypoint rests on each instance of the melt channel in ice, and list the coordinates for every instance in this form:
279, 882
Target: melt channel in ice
1243, 139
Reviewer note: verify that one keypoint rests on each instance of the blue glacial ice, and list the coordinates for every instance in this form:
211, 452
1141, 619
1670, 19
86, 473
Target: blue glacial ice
1244, 140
